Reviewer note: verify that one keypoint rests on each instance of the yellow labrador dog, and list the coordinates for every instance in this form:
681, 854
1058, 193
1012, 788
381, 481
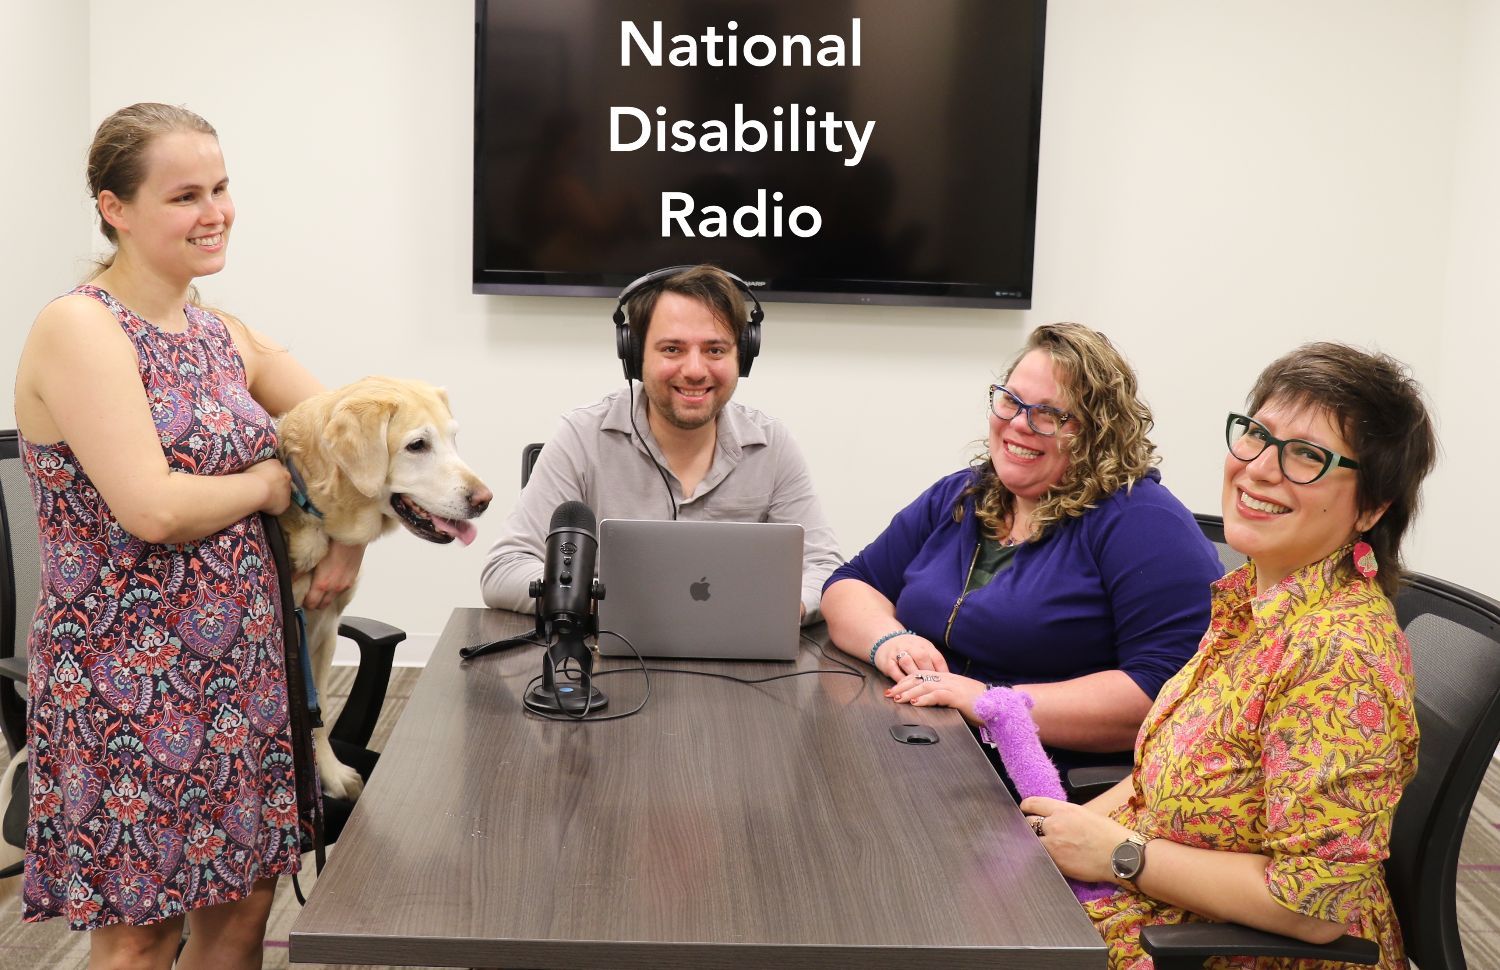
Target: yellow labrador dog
371, 454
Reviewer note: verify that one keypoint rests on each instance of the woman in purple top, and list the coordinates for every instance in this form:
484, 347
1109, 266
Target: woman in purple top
1057, 561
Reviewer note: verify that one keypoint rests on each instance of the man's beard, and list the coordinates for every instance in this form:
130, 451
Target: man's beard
665, 405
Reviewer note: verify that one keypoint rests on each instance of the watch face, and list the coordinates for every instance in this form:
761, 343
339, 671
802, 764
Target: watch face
1126, 860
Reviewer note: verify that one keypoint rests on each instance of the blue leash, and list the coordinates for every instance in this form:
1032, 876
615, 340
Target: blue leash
300, 497
303, 502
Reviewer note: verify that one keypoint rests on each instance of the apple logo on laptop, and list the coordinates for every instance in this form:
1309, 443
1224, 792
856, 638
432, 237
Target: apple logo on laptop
699, 590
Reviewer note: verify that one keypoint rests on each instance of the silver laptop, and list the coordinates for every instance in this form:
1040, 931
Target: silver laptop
711, 590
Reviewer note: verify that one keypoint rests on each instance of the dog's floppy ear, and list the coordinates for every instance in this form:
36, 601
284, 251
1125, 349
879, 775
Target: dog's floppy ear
355, 439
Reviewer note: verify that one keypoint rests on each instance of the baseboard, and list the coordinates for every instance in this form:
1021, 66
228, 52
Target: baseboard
411, 652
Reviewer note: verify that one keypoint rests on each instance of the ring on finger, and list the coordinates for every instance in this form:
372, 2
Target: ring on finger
902, 655
929, 677
1036, 825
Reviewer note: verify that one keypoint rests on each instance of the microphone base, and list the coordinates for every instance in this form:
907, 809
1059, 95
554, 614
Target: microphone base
570, 700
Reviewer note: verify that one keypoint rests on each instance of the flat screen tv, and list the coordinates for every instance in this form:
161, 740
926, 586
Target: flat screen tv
838, 151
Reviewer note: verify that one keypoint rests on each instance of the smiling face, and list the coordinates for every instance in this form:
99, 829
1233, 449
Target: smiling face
690, 366
1283, 526
178, 221
1029, 464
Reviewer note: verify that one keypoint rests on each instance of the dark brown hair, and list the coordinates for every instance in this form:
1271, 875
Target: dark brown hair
1378, 407
1107, 443
704, 284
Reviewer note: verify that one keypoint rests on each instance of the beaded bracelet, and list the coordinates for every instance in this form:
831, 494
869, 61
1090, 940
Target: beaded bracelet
889, 636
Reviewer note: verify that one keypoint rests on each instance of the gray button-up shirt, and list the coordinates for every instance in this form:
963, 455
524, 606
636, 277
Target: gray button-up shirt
595, 457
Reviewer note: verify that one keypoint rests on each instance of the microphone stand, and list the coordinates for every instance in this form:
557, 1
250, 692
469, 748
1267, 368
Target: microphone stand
551, 697
536, 638
564, 641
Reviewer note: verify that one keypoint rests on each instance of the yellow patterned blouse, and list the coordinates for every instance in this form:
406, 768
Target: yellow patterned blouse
1290, 733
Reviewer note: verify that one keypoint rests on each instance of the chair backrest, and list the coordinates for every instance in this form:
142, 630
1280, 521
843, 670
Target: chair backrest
20, 579
1455, 646
529, 454
1213, 530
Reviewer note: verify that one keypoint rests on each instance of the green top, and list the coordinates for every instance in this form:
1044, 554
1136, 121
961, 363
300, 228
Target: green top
993, 559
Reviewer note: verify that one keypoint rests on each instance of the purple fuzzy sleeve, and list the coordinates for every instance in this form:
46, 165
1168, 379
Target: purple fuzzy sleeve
1008, 726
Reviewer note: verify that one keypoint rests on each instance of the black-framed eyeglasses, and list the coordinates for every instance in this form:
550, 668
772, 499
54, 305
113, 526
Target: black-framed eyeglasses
1302, 462
1044, 419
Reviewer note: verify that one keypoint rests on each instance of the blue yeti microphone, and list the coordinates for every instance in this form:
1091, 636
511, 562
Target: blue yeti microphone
565, 610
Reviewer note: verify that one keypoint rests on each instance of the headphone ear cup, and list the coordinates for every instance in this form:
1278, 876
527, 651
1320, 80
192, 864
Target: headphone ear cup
749, 347
625, 348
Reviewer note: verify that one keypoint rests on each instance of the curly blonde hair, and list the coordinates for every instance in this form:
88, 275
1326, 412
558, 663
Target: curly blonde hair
1109, 449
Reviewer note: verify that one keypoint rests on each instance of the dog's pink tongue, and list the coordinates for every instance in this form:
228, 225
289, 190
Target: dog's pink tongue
460, 529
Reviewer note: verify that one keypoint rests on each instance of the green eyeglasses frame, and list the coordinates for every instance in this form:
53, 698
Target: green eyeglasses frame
1329, 458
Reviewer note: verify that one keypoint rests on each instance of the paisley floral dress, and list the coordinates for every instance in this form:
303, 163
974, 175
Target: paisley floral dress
160, 753
1291, 733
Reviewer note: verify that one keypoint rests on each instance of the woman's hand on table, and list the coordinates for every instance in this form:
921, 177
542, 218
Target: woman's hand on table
939, 688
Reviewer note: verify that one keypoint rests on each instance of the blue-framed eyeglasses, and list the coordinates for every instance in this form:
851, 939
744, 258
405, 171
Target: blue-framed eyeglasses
1302, 462
1044, 419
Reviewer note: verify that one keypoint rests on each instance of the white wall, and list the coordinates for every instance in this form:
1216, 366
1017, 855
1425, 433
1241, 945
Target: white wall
1219, 183
44, 68
1458, 528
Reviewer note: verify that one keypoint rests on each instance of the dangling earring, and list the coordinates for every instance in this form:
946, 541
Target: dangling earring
1364, 559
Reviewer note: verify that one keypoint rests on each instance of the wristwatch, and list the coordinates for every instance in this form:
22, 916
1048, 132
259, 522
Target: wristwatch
1129, 858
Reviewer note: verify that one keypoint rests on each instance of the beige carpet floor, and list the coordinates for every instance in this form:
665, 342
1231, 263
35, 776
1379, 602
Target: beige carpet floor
51, 946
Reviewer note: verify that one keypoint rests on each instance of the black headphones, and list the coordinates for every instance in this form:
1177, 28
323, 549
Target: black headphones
632, 354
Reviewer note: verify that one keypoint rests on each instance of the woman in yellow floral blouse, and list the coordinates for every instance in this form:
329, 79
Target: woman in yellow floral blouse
1269, 768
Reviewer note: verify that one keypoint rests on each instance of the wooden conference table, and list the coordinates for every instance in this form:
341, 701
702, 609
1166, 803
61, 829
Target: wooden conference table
723, 826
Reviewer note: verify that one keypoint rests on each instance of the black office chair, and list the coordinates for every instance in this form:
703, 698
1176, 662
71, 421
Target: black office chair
20, 573
1213, 530
19, 581
1455, 646
529, 454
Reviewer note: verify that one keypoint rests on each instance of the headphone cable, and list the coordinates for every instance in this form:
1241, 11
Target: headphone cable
642, 439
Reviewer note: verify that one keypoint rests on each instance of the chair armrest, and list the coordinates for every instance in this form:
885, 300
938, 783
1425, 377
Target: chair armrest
1086, 784
13, 702
13, 668
1184, 945
362, 630
13, 825
377, 650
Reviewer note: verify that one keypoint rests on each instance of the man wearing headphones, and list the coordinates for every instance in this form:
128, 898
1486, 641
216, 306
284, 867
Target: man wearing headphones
682, 450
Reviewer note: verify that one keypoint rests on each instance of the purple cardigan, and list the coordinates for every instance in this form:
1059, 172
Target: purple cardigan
1123, 587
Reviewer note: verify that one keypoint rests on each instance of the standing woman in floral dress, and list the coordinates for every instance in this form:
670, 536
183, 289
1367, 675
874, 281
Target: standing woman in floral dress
159, 746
